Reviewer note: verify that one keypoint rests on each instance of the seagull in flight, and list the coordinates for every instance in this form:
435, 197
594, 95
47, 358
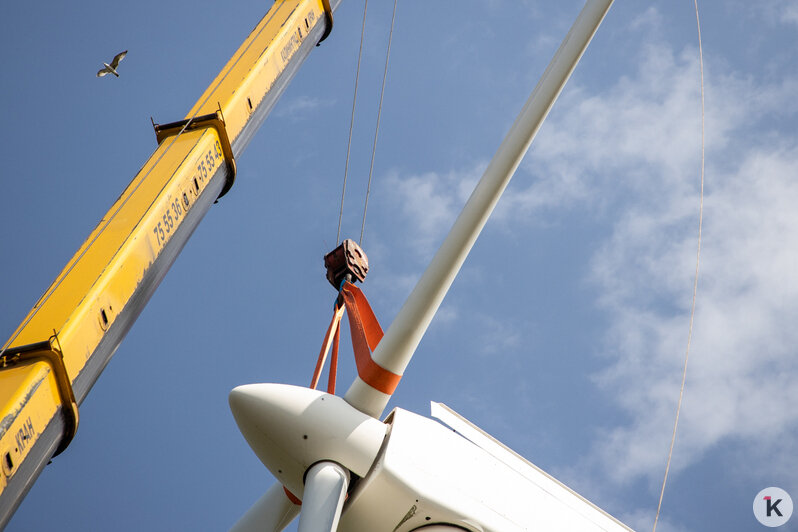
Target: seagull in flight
111, 69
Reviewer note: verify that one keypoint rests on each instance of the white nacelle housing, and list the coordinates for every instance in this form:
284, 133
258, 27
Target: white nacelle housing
421, 473
428, 474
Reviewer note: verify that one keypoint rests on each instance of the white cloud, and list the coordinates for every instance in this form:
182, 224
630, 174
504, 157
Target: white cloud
630, 156
300, 107
644, 520
790, 13
776, 15
428, 204
648, 20
497, 336
747, 301
778, 11
637, 147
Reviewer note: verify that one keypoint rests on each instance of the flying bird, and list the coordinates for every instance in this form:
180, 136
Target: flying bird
111, 69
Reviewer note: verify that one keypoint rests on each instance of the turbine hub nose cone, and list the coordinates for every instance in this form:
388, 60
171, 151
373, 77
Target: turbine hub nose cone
291, 428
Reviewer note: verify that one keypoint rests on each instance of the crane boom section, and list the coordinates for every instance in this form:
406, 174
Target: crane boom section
59, 350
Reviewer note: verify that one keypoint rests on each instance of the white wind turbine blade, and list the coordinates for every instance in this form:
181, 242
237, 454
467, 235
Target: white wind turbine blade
403, 336
325, 490
271, 513
310, 440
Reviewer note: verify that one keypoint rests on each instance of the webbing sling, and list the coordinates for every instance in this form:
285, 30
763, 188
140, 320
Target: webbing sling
366, 334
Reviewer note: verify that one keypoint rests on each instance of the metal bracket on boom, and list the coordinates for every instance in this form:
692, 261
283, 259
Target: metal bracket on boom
48, 352
329, 16
214, 120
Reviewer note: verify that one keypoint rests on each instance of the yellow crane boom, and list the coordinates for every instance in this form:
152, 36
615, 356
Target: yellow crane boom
56, 354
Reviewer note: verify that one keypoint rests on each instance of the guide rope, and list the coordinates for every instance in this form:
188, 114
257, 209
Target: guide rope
377, 129
695, 281
351, 123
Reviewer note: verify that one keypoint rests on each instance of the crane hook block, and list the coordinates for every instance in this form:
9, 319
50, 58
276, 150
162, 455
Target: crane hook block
348, 259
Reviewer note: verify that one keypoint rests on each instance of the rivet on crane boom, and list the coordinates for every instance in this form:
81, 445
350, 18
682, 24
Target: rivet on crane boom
57, 353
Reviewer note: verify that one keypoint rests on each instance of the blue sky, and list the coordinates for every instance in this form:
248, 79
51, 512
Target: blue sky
565, 332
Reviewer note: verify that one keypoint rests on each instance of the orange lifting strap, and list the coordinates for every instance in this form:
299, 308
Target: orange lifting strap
366, 334
291, 497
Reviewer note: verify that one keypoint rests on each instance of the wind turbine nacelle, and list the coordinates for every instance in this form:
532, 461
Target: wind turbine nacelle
412, 471
290, 428
429, 474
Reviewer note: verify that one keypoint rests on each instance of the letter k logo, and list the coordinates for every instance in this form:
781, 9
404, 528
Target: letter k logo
772, 506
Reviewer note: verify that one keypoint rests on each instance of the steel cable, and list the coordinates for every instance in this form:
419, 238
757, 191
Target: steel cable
351, 124
695, 281
377, 129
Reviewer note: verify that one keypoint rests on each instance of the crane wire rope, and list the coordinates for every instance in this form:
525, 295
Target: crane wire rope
377, 129
351, 124
697, 262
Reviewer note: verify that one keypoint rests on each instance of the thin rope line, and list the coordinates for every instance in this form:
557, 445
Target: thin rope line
351, 123
377, 129
695, 282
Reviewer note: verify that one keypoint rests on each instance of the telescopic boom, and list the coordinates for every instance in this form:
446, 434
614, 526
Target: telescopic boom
54, 357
